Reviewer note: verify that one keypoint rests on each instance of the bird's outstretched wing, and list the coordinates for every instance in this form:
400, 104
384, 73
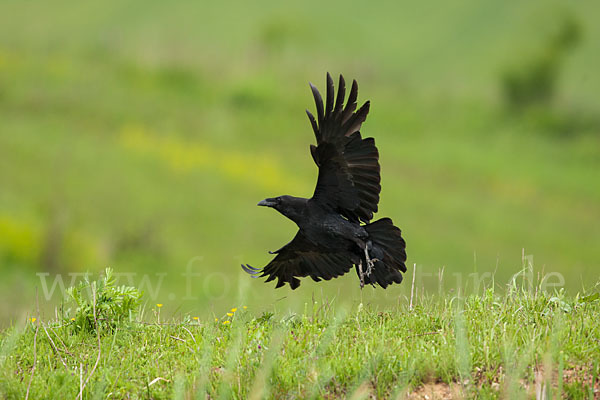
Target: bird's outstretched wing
349, 180
300, 258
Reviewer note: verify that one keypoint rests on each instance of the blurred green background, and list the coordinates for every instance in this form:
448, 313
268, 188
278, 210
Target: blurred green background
141, 135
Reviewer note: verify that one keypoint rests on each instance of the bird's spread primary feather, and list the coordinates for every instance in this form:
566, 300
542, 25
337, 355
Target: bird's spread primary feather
331, 238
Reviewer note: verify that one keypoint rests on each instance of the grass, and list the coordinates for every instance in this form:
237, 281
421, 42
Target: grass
509, 345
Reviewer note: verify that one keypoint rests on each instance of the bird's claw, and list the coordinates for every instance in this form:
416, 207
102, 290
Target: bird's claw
370, 262
361, 275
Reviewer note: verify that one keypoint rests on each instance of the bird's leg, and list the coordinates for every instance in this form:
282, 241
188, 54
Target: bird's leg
370, 262
361, 275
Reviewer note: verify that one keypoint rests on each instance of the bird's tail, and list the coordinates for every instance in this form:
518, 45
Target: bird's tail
389, 248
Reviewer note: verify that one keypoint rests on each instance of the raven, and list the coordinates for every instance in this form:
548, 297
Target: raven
335, 232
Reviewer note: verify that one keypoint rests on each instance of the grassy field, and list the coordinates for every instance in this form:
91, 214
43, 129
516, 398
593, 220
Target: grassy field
518, 344
141, 136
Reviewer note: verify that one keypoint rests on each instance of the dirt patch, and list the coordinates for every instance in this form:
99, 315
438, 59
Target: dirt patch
582, 375
537, 386
436, 391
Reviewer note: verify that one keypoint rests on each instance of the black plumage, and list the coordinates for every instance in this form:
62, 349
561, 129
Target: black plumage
335, 232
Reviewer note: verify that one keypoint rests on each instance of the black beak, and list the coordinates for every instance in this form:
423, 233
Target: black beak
267, 203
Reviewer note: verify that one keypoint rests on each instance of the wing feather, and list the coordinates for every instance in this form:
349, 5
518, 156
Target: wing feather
349, 179
355, 121
302, 258
339, 102
318, 103
330, 95
351, 104
314, 125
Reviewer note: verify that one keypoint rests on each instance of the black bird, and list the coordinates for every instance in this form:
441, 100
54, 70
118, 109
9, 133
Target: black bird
335, 229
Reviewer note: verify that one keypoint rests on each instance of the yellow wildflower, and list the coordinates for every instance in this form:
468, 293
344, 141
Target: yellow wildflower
196, 318
72, 319
216, 319
245, 307
233, 309
159, 305
226, 322
33, 319
230, 314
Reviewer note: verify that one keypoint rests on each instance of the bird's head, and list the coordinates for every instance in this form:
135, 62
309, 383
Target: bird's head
291, 207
